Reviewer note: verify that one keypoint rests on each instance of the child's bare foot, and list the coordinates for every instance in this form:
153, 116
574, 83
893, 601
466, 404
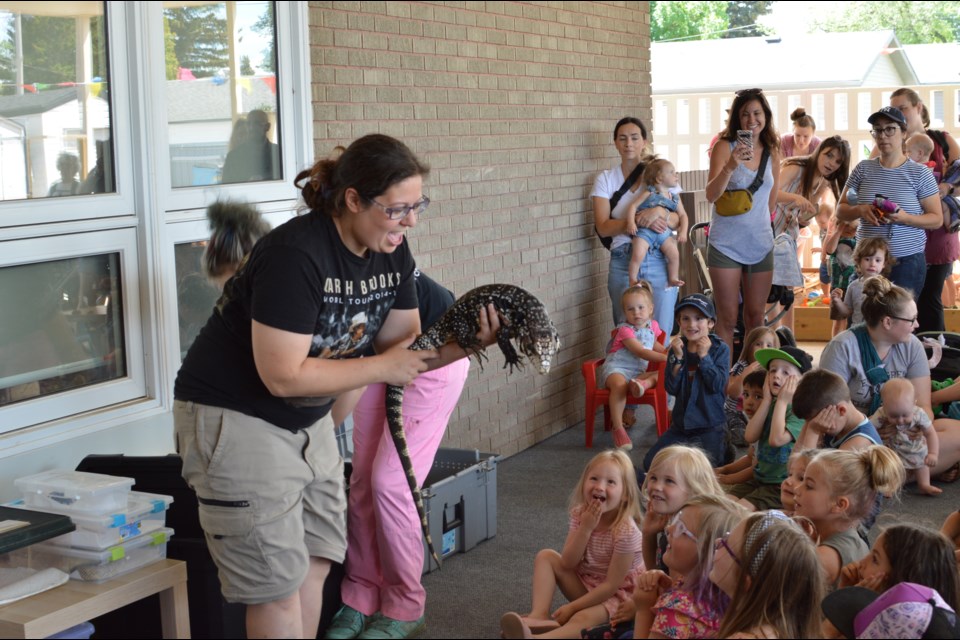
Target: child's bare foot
513, 626
675, 282
621, 440
930, 490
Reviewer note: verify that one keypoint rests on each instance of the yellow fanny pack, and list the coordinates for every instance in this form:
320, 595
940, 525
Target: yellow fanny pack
735, 202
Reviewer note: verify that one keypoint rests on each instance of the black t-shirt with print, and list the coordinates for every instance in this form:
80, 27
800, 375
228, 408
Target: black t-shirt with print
302, 279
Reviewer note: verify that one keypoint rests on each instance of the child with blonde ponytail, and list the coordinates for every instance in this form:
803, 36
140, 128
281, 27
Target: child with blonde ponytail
839, 490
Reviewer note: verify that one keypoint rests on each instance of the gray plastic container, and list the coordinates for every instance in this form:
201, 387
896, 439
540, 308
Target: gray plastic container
460, 496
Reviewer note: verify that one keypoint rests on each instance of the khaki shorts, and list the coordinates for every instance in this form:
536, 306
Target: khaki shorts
269, 499
720, 260
763, 496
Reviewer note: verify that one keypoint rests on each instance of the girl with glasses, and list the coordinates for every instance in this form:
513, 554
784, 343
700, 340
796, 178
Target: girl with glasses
768, 567
685, 604
911, 194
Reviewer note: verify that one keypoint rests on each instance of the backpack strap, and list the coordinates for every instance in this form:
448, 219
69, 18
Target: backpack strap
615, 198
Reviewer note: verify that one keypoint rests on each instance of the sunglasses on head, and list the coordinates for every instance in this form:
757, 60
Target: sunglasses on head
748, 92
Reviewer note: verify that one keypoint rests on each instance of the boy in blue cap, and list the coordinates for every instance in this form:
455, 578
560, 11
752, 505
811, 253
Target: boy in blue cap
696, 374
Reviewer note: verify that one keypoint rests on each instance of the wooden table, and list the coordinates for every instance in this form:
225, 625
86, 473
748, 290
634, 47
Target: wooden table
75, 602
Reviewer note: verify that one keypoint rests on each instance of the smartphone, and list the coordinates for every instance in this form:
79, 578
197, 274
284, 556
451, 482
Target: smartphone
746, 137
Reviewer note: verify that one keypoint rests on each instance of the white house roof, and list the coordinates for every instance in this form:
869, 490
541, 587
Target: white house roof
202, 99
935, 63
803, 61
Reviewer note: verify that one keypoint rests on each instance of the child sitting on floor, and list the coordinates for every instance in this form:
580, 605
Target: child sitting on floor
741, 469
823, 400
601, 557
839, 490
757, 338
685, 604
774, 427
658, 179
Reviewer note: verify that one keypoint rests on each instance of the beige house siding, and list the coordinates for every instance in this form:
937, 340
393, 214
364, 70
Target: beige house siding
512, 104
883, 74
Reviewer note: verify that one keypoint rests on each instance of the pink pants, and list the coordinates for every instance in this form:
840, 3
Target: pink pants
384, 540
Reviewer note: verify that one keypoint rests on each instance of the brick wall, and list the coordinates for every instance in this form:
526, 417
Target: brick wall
513, 105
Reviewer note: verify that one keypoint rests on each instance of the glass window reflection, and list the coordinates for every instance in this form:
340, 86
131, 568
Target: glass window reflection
54, 101
196, 295
221, 92
61, 326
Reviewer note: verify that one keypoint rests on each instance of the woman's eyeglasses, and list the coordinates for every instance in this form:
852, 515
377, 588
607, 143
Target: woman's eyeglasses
887, 132
722, 542
748, 92
401, 212
910, 321
680, 529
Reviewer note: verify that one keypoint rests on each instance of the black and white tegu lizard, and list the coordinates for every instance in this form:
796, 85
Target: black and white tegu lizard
523, 319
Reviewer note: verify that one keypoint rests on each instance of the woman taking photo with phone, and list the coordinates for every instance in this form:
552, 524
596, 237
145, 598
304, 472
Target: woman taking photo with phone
743, 187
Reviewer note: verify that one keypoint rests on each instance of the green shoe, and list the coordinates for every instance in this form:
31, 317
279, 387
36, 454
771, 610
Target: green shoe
347, 623
384, 627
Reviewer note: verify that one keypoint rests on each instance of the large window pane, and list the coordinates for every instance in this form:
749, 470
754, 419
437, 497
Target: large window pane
221, 92
60, 326
55, 137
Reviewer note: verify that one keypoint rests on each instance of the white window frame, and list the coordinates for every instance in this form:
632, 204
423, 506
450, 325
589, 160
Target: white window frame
132, 387
141, 221
17, 216
293, 83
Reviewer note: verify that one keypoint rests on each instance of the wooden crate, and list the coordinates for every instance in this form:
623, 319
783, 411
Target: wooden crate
813, 323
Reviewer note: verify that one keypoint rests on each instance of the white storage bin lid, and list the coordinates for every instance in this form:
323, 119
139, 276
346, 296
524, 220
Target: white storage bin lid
71, 486
139, 506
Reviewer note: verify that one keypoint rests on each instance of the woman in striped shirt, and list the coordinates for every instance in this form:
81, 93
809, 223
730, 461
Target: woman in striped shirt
907, 184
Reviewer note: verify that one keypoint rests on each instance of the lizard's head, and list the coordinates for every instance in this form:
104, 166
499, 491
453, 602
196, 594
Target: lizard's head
541, 345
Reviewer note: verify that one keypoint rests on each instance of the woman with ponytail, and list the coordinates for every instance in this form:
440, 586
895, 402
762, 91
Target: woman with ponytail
257, 393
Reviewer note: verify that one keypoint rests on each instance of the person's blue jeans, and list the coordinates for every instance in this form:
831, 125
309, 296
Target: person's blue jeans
654, 271
710, 441
909, 273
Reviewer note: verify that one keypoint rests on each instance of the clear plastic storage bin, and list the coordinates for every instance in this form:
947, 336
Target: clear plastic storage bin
145, 513
98, 566
76, 491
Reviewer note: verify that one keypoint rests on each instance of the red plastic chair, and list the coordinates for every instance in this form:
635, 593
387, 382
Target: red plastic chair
657, 397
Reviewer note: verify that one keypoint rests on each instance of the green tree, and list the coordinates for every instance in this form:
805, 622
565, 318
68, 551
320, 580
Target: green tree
200, 40
743, 18
170, 51
246, 69
687, 20
265, 26
914, 22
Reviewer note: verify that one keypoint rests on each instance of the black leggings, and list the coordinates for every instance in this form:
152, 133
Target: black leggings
930, 302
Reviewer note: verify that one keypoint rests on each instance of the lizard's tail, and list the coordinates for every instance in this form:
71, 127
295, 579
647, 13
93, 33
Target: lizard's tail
394, 406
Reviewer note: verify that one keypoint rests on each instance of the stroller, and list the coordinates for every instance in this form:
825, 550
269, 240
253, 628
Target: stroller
780, 295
